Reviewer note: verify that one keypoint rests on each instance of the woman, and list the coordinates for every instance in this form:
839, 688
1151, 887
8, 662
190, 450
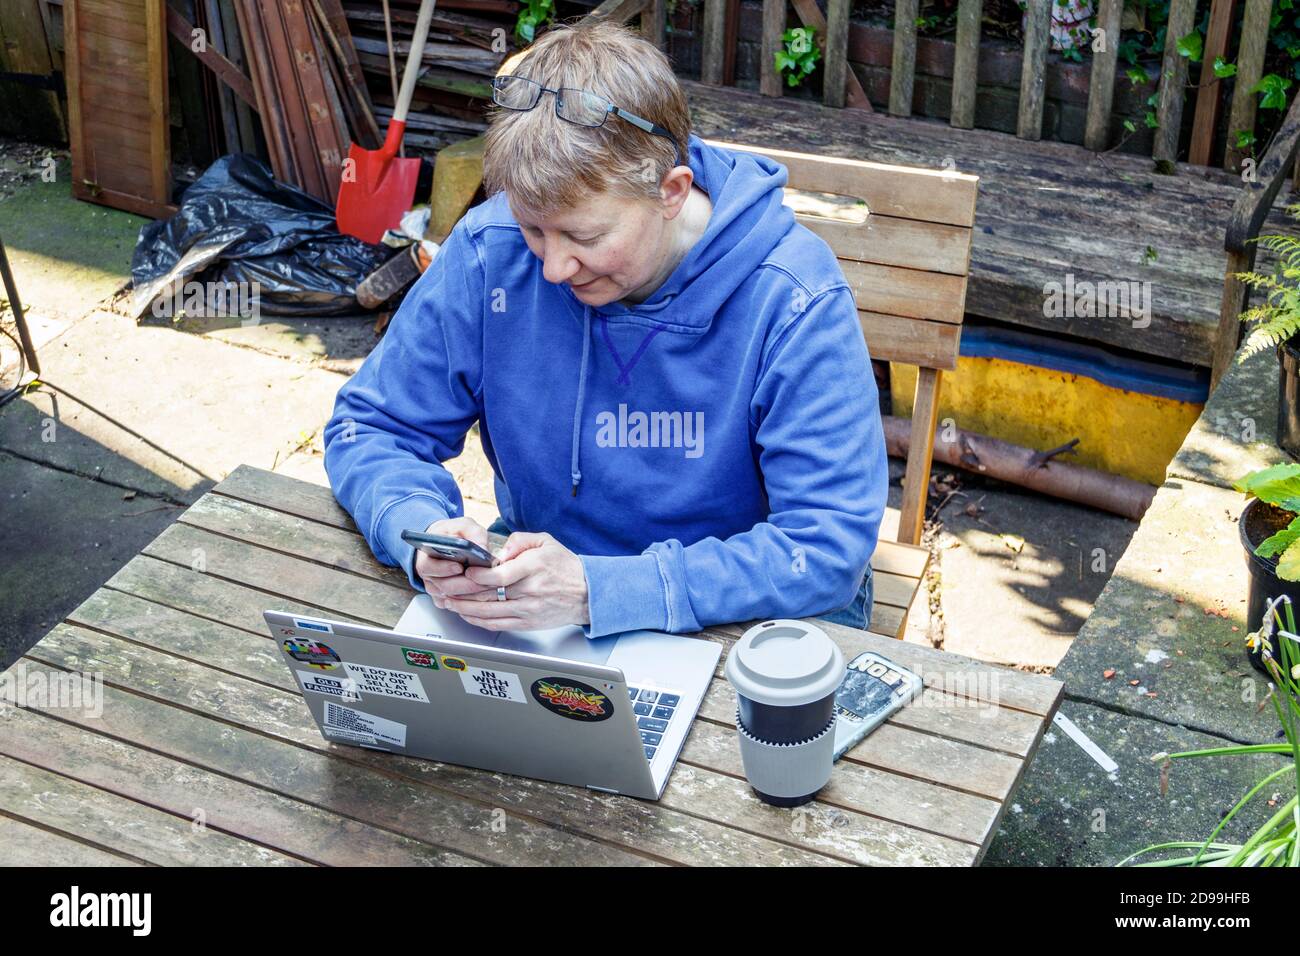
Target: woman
668, 372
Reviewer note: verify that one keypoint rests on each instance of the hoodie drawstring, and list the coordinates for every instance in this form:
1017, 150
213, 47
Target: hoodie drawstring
574, 473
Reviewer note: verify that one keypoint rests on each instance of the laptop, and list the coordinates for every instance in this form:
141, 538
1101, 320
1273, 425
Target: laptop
608, 713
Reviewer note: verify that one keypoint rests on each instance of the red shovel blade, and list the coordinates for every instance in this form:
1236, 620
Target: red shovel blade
377, 188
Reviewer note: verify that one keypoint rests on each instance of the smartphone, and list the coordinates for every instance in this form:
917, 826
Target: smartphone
448, 548
873, 688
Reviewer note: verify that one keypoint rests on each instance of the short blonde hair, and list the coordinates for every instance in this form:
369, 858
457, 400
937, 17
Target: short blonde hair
546, 164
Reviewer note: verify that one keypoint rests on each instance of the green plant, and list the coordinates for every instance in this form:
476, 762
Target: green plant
1278, 316
800, 56
1279, 486
532, 15
1277, 841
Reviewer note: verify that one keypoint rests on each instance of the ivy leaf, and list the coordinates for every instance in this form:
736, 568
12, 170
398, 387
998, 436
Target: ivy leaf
1272, 91
1191, 46
1151, 121
785, 61
1128, 125
1223, 69
1245, 139
1136, 76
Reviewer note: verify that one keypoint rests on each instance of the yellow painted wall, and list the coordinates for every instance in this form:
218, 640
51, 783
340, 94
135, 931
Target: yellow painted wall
1122, 432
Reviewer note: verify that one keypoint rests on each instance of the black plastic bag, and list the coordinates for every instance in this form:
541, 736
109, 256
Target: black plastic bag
237, 226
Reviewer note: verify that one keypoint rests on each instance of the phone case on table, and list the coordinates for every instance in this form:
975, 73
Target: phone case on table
873, 688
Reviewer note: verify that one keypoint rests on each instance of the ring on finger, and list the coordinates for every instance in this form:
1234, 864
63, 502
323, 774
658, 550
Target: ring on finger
501, 593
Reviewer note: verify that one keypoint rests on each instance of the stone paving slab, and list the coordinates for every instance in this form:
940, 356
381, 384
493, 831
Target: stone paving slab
161, 411
1150, 624
60, 538
1237, 431
1069, 812
1041, 552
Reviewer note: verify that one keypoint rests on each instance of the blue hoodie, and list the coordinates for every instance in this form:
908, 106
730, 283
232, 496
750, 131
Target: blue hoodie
713, 454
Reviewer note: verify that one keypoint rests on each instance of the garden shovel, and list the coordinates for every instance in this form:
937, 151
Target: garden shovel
378, 187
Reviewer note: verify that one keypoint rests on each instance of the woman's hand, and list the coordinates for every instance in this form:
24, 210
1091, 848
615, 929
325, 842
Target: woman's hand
545, 587
443, 578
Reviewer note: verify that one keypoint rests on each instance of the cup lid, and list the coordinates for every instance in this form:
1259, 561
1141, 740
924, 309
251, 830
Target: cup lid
785, 663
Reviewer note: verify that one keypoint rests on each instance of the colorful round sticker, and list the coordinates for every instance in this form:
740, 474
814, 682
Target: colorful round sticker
572, 699
311, 653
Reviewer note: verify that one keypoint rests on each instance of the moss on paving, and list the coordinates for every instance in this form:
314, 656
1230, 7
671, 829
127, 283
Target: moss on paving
67, 254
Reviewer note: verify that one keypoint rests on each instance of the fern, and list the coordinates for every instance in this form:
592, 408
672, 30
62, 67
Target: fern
1277, 318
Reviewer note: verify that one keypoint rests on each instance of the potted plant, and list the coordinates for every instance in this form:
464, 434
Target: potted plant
1277, 841
1269, 527
1277, 321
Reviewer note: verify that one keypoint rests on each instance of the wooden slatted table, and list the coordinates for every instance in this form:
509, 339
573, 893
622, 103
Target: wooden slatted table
204, 752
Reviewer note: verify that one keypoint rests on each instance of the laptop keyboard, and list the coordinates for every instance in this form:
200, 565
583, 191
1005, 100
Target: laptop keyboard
653, 710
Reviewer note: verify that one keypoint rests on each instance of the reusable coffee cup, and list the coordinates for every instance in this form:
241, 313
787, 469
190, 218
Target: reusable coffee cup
785, 674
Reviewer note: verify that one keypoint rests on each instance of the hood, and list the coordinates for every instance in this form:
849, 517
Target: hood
748, 219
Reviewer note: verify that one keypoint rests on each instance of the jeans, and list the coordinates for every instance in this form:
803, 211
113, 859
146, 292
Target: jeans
857, 613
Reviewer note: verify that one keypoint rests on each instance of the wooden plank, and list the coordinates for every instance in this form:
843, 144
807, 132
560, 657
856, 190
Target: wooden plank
658, 831
226, 71
336, 22
1101, 84
160, 124
730, 44
73, 88
888, 241
106, 820
1250, 67
1210, 88
28, 845
618, 11
905, 559
328, 140
925, 414
654, 22
902, 192
894, 338
965, 64
906, 292
338, 592
712, 45
301, 498
275, 127
836, 70
774, 16
1173, 81
224, 806
1236, 295
204, 595
902, 72
316, 778
1033, 71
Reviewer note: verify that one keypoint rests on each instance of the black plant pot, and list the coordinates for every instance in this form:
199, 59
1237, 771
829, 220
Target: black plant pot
1288, 398
1258, 521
